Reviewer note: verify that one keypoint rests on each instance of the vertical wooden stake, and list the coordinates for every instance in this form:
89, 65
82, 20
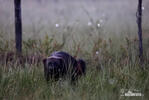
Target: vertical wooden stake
139, 22
18, 26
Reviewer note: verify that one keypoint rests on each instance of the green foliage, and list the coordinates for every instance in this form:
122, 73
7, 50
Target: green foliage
29, 83
45, 46
112, 65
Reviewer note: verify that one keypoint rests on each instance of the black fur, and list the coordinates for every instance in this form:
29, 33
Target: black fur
60, 64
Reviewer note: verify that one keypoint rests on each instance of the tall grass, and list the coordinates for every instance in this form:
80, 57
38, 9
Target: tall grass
110, 49
29, 84
112, 65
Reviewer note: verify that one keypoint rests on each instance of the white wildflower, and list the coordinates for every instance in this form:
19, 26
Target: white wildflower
89, 24
57, 25
97, 52
98, 25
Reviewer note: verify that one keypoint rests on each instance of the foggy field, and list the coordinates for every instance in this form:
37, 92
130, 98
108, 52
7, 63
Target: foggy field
118, 16
102, 32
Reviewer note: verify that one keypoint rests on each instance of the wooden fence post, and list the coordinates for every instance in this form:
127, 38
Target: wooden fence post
18, 26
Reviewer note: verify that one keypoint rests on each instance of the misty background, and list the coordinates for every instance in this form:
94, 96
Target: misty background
41, 17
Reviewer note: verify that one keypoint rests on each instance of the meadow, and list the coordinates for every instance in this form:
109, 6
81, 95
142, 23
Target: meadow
108, 44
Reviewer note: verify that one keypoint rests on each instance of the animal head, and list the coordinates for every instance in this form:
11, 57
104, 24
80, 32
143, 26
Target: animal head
51, 62
55, 67
52, 66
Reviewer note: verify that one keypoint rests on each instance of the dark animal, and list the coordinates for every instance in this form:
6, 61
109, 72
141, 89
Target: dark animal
61, 64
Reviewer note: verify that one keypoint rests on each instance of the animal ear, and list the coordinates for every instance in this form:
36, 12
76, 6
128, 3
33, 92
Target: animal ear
82, 65
44, 61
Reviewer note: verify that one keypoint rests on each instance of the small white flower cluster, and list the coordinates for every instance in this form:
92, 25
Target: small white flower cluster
97, 52
89, 23
143, 8
57, 25
98, 24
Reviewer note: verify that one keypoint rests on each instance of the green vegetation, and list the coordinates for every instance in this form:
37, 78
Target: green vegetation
112, 65
103, 33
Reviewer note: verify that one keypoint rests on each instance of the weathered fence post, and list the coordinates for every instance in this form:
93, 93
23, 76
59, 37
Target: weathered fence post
18, 26
139, 22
